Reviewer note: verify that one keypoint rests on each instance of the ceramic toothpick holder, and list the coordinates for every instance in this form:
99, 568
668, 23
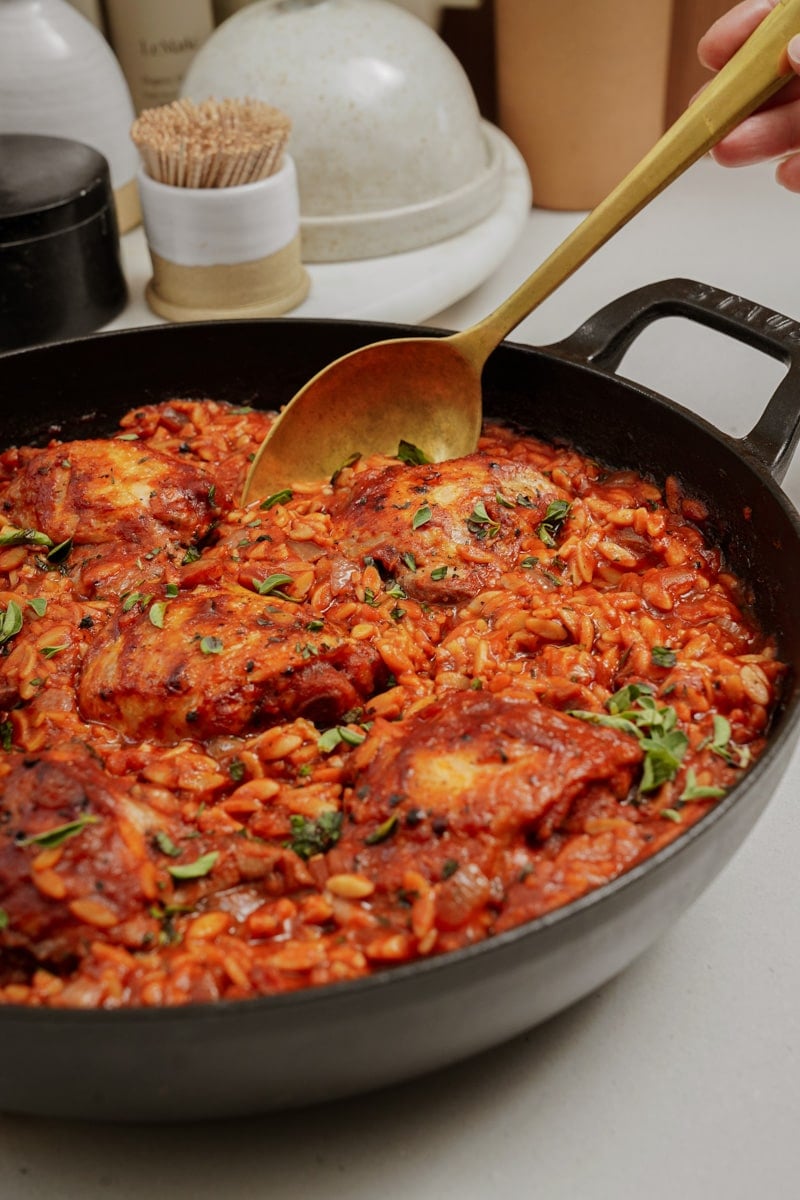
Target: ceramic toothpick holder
224, 252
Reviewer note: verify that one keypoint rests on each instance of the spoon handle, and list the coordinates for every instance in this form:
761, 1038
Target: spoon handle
758, 69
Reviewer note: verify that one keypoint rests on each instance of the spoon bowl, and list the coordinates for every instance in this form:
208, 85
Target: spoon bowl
427, 391
419, 390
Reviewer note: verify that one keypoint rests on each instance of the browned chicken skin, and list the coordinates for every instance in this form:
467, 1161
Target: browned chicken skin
84, 859
445, 531
68, 797
225, 661
98, 492
474, 768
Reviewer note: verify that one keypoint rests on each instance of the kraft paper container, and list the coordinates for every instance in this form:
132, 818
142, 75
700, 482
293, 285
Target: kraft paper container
581, 90
224, 251
690, 20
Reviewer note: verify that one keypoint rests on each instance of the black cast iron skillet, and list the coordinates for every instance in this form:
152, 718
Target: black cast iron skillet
250, 1056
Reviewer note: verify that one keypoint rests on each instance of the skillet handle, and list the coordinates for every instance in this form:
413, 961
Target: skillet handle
603, 340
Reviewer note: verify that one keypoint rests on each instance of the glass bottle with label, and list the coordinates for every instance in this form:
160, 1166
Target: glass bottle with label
155, 42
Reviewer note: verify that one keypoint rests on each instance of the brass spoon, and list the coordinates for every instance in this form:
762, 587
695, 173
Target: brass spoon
427, 391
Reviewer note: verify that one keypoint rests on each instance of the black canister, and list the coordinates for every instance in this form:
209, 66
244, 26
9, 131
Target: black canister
60, 269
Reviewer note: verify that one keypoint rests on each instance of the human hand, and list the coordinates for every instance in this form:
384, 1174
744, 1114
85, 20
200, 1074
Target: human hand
773, 131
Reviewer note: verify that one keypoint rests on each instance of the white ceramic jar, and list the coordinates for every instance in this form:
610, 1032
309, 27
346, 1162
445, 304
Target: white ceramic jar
59, 76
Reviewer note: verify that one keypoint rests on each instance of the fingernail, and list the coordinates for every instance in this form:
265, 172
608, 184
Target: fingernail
793, 50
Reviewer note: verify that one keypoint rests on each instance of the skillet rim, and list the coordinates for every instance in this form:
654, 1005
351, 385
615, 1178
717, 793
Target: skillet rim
780, 736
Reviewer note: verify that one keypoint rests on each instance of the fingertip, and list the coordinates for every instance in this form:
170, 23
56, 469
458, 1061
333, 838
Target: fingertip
708, 53
793, 50
787, 173
727, 153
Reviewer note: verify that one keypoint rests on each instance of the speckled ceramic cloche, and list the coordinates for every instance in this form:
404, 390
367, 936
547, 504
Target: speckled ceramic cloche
390, 149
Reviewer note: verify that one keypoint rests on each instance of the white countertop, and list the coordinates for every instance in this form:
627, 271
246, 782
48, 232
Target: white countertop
680, 1078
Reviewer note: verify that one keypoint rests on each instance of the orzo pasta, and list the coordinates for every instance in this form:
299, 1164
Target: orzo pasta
254, 749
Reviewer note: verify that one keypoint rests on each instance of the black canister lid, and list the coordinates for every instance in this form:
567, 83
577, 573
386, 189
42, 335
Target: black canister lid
48, 185
60, 269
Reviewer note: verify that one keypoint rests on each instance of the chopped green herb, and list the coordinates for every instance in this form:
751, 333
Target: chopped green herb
661, 656
329, 740
480, 523
408, 453
449, 867
157, 612
131, 599
439, 573
310, 837
421, 517
626, 697
212, 645
409, 561
3, 919
21, 537
529, 561
10, 621
191, 556
396, 592
195, 870
721, 744
479, 515
663, 754
384, 831
39, 605
348, 462
694, 791
353, 737
397, 613
52, 651
634, 711
127, 437
722, 735
272, 583
607, 720
59, 833
282, 497
171, 591
315, 625
555, 516
672, 814
166, 844
503, 501
168, 935
60, 552
6, 735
